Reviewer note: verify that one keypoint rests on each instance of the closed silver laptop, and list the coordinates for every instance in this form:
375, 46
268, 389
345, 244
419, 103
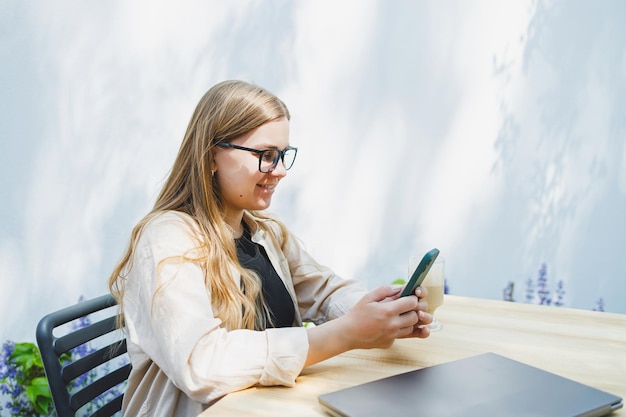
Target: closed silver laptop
479, 386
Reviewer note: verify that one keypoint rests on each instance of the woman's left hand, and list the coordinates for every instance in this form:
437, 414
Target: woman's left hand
419, 329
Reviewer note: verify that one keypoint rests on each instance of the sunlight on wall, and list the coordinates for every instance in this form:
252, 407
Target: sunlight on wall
490, 130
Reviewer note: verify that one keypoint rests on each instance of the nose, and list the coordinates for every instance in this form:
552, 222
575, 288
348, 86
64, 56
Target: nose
280, 170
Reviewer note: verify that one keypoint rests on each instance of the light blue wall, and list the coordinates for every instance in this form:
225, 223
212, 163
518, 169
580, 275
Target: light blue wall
492, 130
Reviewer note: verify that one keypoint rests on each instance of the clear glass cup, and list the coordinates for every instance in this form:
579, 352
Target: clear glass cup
434, 284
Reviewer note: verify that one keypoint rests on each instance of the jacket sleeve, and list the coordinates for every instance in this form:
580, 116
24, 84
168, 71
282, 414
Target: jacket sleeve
169, 317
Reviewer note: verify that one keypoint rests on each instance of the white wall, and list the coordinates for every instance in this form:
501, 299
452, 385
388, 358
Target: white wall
492, 130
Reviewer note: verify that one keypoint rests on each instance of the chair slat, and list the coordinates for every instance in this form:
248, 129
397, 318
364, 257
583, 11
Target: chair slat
77, 368
109, 408
99, 386
84, 335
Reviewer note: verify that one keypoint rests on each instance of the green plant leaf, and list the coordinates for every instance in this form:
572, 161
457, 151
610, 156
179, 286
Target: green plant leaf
25, 355
39, 395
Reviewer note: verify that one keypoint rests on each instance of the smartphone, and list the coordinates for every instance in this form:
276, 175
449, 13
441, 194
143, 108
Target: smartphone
420, 272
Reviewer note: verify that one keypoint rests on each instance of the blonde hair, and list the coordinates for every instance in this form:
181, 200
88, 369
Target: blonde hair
227, 111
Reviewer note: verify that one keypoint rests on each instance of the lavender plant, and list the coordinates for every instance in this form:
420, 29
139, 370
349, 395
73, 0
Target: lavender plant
530, 291
599, 304
23, 381
507, 292
560, 293
543, 292
538, 292
24, 384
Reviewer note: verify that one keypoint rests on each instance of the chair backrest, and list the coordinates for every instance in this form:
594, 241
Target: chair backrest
85, 362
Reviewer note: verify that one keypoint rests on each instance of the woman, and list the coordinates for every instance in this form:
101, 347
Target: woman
214, 291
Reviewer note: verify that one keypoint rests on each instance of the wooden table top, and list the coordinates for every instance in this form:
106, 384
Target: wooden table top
585, 346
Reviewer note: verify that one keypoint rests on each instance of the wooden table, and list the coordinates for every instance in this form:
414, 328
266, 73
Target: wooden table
586, 346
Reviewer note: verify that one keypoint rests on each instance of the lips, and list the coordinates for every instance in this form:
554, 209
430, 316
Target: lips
267, 186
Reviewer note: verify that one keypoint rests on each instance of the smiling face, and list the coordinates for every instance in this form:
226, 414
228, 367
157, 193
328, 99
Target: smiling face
241, 184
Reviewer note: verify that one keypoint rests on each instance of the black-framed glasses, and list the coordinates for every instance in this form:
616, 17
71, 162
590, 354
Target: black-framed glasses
268, 158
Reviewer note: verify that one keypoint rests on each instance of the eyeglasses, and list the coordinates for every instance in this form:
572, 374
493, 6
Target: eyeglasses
268, 158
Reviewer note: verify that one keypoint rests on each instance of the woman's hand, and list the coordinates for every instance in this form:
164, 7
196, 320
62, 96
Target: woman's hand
376, 321
382, 316
419, 330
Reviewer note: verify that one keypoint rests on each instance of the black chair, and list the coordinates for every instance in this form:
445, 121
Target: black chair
85, 362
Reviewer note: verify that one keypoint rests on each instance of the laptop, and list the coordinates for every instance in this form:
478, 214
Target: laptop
480, 386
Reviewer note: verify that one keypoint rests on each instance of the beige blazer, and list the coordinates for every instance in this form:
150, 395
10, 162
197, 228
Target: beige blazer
182, 357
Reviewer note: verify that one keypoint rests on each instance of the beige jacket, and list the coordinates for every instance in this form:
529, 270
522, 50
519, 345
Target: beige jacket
182, 357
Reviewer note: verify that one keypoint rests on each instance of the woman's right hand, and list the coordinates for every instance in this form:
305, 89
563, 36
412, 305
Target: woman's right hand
381, 317
376, 321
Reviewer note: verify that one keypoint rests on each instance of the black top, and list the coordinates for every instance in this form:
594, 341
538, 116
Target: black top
253, 256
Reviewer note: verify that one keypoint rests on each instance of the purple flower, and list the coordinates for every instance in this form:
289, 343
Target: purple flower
542, 286
15, 375
599, 304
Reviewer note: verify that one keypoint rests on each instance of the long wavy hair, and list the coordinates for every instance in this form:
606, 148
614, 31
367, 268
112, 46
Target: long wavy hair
227, 111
